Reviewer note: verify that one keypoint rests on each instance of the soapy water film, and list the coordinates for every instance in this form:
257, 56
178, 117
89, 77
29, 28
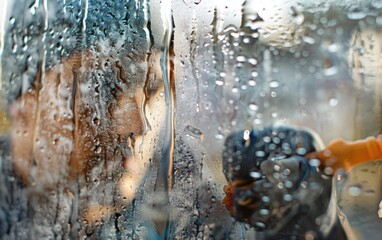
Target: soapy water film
115, 114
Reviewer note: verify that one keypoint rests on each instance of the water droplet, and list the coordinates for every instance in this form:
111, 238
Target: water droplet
257, 121
264, 212
288, 184
12, 20
274, 84
96, 121
267, 139
219, 136
194, 132
56, 117
276, 140
298, 18
98, 150
260, 225
301, 151
58, 46
219, 82
304, 112
309, 40
333, 102
333, 47
252, 61
33, 10
314, 162
272, 146
241, 58
356, 15
252, 83
355, 190
55, 141
276, 175
255, 35
246, 135
339, 177
276, 168
255, 174
265, 199
330, 71
260, 154
288, 197
246, 40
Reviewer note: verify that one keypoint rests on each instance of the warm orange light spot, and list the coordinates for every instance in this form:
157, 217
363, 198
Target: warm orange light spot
342, 154
228, 199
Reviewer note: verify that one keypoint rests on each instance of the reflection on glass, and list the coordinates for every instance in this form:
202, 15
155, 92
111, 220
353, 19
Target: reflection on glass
187, 119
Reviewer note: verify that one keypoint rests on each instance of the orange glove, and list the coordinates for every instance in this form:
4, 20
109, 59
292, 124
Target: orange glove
342, 154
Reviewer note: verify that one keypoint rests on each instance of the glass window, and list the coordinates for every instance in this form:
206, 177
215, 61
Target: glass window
192, 119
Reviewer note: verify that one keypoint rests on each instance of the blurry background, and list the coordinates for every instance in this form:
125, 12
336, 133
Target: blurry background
147, 91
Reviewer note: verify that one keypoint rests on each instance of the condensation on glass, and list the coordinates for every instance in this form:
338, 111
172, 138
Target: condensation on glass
114, 113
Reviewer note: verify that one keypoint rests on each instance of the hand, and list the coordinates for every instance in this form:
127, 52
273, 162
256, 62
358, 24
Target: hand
342, 154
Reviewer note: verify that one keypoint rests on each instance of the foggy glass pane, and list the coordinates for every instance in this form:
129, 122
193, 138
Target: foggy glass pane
189, 119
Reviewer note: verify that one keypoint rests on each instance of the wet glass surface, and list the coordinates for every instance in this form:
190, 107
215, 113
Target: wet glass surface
187, 119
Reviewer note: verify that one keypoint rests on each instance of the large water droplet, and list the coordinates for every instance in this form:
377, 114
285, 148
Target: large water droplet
333, 102
96, 121
355, 190
274, 84
265, 199
194, 132
241, 58
301, 151
314, 162
255, 174
219, 82
356, 15
12, 20
252, 61
297, 17
309, 40
260, 154
288, 197
264, 212
253, 107
98, 150
331, 71
260, 225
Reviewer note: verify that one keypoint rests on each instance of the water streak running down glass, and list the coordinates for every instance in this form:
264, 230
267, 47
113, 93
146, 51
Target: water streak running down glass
116, 117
